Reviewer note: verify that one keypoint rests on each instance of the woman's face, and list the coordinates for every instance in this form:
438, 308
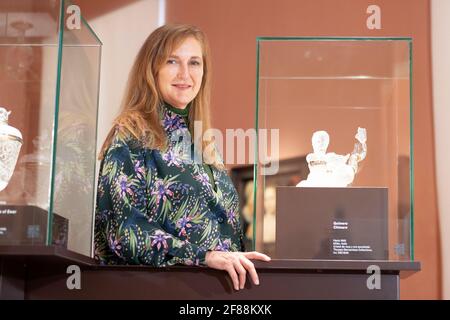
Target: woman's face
180, 77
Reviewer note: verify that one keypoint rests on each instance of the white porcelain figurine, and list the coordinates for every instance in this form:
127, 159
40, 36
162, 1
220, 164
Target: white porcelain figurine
331, 169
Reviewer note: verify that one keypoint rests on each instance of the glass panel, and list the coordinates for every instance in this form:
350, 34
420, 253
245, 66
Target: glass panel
49, 81
335, 85
28, 62
75, 155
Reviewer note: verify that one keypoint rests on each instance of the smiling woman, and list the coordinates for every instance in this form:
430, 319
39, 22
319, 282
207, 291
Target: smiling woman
155, 204
180, 78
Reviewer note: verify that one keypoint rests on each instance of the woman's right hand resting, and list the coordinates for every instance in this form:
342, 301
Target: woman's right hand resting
237, 264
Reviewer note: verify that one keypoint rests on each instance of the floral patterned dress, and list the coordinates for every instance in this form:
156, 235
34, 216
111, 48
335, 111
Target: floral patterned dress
161, 208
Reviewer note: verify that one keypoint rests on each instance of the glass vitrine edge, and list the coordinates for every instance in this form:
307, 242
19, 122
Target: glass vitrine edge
55, 124
256, 154
92, 31
93, 199
83, 20
357, 38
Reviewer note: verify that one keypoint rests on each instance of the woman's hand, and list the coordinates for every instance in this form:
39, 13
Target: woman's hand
237, 264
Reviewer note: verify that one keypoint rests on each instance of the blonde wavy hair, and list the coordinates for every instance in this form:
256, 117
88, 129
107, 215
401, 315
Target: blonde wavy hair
140, 113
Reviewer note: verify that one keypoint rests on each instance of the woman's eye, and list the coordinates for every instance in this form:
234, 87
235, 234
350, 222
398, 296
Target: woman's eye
195, 63
171, 61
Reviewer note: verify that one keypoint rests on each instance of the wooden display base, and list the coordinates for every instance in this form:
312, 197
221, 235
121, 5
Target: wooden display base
31, 272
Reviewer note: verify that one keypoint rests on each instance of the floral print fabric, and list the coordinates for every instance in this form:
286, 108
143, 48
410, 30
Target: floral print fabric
161, 208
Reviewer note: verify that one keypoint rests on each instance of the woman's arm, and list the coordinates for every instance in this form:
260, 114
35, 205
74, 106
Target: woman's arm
125, 232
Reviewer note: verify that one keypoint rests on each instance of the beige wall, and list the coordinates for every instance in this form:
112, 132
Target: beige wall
232, 27
122, 33
440, 11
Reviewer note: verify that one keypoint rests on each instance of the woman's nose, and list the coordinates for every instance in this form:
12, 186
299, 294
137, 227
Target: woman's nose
183, 71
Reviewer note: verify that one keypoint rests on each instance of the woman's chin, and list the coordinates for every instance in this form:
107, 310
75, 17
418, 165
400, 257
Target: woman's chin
181, 103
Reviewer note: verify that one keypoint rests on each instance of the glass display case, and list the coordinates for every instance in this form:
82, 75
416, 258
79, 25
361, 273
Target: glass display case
333, 166
49, 82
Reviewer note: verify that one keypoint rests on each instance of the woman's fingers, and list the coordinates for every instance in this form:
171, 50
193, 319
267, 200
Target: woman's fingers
256, 256
237, 264
233, 275
241, 271
251, 269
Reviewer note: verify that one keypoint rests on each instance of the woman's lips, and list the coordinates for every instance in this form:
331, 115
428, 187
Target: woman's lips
182, 86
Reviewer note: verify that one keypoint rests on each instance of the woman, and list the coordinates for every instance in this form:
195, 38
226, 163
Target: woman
156, 205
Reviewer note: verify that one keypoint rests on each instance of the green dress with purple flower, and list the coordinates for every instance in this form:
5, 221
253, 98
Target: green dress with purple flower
161, 208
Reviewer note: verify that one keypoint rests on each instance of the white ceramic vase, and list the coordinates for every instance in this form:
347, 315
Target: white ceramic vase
10, 144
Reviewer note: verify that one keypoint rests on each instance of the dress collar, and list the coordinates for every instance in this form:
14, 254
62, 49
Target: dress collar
181, 112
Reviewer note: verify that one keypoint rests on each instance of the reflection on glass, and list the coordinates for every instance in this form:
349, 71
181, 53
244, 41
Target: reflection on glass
19, 59
247, 210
